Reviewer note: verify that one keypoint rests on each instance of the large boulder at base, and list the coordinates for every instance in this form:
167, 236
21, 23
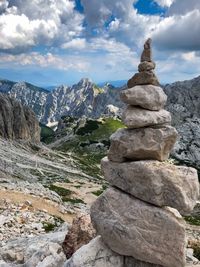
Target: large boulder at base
144, 143
146, 96
159, 183
95, 254
134, 228
80, 233
16, 121
135, 117
142, 78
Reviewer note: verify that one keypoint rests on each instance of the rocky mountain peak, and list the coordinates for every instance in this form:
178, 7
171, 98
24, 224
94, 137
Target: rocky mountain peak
16, 121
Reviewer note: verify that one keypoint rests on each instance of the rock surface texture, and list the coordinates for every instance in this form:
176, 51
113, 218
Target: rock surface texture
138, 216
134, 228
134, 117
79, 234
168, 185
17, 121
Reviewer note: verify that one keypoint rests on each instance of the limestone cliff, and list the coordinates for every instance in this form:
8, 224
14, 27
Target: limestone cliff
17, 121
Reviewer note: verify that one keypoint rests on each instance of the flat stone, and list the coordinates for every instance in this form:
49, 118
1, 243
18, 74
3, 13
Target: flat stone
131, 227
146, 96
143, 143
95, 254
146, 66
136, 117
142, 78
162, 184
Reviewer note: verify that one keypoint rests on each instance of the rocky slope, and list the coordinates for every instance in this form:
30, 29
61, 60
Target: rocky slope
17, 121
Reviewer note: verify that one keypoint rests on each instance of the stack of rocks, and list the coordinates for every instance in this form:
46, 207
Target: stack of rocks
140, 214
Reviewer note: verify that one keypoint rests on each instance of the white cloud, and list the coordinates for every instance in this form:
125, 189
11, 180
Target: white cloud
45, 61
77, 43
164, 3
183, 6
47, 22
179, 32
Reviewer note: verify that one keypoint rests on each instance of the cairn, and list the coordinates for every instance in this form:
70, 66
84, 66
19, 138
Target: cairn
139, 215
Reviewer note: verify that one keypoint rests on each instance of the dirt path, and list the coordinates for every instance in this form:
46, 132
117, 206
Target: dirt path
37, 203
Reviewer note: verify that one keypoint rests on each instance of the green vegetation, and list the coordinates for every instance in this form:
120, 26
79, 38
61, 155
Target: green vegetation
48, 227
193, 220
47, 134
74, 200
100, 191
90, 143
63, 192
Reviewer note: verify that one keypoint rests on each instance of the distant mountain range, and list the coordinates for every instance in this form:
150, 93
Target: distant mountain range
87, 99
82, 99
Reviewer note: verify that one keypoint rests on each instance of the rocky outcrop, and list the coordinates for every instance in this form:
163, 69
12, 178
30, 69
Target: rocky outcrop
80, 233
95, 254
43, 250
136, 216
17, 122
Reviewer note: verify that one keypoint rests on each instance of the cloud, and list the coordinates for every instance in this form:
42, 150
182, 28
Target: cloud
179, 32
183, 6
25, 24
35, 59
77, 43
164, 3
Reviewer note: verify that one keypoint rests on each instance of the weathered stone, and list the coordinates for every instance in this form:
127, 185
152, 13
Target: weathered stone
146, 66
131, 262
79, 234
142, 78
146, 96
135, 117
144, 143
134, 228
162, 184
16, 121
95, 254
147, 52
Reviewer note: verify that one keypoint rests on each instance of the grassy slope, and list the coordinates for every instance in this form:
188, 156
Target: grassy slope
90, 144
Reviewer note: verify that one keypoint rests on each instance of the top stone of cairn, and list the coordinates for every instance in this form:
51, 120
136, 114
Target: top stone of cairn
147, 52
145, 75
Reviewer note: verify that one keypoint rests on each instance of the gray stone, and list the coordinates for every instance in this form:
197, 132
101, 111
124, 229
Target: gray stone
131, 262
135, 117
17, 122
41, 251
146, 66
144, 143
147, 52
162, 184
134, 228
95, 254
142, 78
146, 96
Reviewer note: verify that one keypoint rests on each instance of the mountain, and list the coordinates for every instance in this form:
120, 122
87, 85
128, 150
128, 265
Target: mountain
87, 99
27, 94
17, 121
82, 99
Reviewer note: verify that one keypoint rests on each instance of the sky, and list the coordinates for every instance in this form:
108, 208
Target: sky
53, 42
